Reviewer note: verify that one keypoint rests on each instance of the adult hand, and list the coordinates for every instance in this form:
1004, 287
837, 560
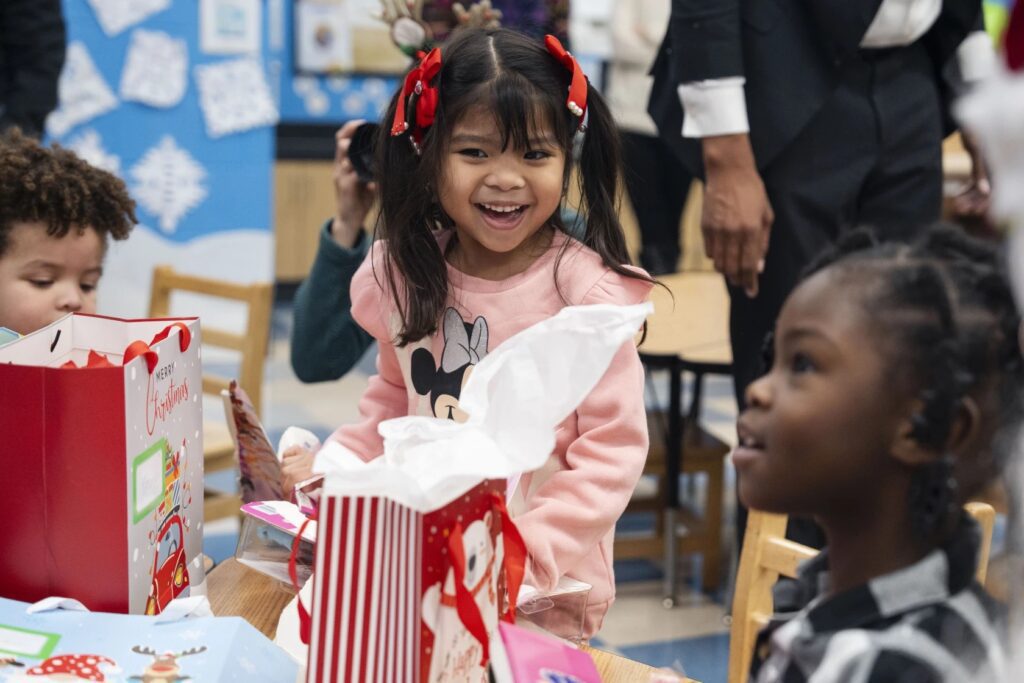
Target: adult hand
296, 467
974, 201
353, 197
737, 217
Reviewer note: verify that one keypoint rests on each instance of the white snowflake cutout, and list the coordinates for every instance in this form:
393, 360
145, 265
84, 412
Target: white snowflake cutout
168, 182
234, 97
304, 85
155, 69
89, 146
376, 88
338, 83
353, 104
83, 93
317, 103
117, 15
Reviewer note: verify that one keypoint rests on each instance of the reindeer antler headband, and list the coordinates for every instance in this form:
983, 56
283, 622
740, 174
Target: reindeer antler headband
411, 32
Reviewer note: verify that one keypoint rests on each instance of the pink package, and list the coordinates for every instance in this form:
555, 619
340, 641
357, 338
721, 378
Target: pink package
522, 656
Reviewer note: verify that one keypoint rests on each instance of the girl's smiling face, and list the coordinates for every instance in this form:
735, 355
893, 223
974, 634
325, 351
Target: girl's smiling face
817, 434
499, 199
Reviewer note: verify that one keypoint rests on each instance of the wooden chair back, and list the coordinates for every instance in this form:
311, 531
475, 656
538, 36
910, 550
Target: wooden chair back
767, 554
252, 344
218, 443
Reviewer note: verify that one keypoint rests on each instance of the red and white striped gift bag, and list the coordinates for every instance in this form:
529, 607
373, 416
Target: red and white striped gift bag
389, 605
367, 592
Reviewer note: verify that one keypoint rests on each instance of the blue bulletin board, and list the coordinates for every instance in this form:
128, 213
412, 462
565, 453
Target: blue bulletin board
214, 216
220, 224
322, 99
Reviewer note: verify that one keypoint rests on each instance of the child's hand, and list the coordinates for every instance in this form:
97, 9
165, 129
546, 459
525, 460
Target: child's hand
296, 467
352, 196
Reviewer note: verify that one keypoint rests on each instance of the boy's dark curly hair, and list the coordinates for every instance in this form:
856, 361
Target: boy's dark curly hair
53, 186
948, 322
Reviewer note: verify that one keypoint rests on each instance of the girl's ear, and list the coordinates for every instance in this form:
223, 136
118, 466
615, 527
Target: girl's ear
963, 432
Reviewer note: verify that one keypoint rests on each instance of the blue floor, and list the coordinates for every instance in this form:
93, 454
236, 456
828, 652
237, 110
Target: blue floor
706, 657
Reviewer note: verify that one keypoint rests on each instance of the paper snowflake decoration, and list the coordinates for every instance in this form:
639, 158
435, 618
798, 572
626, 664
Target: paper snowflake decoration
115, 16
168, 183
234, 97
353, 104
83, 93
155, 71
89, 146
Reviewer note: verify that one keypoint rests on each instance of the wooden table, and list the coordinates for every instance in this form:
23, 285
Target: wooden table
688, 332
238, 591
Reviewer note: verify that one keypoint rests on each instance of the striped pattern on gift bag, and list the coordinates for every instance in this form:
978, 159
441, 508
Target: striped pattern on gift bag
367, 592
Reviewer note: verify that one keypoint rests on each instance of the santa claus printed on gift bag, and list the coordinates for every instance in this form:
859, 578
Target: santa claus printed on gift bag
403, 596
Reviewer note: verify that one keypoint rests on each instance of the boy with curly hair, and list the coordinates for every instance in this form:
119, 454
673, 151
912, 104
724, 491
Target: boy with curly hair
56, 213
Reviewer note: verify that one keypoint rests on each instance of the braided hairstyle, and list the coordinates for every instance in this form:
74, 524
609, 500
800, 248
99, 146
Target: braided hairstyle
948, 325
53, 186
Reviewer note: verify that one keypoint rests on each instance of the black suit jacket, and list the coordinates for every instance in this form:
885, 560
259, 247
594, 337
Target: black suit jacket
791, 53
32, 41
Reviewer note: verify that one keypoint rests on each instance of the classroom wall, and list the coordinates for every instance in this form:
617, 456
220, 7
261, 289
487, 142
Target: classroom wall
204, 194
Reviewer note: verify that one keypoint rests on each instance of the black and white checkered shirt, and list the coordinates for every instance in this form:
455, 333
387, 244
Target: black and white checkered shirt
929, 622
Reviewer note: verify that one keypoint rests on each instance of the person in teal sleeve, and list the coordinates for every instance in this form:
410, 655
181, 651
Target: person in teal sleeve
326, 341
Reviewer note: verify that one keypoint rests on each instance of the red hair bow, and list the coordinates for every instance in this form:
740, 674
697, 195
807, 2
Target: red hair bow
420, 95
577, 100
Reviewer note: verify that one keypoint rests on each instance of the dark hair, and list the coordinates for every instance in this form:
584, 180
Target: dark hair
53, 186
948, 323
525, 86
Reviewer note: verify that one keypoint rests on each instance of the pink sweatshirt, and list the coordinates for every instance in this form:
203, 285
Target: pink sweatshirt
566, 511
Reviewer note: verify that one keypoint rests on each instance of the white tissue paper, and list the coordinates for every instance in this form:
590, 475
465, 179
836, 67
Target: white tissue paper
515, 398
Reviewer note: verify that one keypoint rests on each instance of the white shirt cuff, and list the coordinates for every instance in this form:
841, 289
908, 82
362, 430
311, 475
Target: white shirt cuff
714, 107
976, 57
901, 22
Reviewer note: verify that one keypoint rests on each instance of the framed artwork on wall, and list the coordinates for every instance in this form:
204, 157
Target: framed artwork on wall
229, 27
344, 36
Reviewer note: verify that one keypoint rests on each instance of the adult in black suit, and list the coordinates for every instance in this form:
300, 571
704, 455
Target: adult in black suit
806, 117
32, 41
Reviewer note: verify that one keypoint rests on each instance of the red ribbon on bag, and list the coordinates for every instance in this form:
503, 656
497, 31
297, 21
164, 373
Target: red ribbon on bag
184, 336
140, 348
305, 619
515, 556
513, 563
465, 603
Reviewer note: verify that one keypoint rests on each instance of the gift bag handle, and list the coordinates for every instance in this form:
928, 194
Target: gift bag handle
514, 561
140, 348
465, 603
184, 336
305, 619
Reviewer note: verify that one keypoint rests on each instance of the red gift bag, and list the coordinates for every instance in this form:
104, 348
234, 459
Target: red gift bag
101, 452
406, 596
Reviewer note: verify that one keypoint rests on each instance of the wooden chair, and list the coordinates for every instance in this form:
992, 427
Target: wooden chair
218, 445
768, 554
688, 333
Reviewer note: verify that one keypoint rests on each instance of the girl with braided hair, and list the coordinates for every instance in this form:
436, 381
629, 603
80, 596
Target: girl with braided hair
56, 214
894, 395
